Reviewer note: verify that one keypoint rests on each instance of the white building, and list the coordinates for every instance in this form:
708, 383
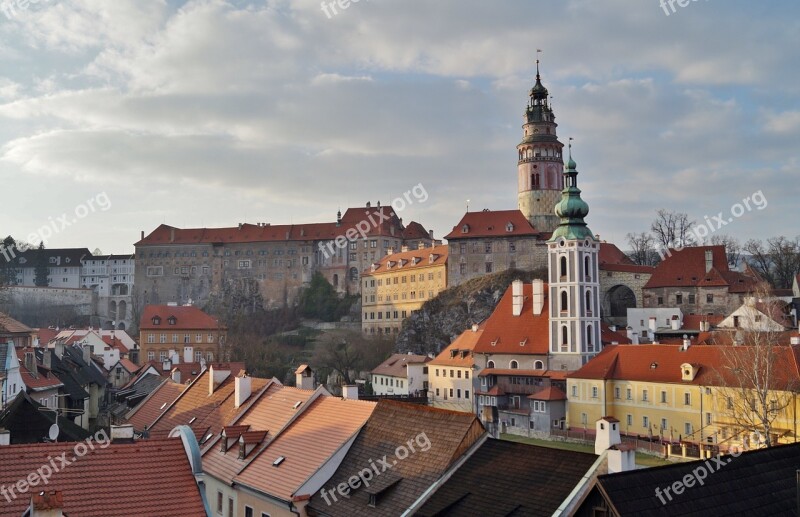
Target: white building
10, 377
401, 374
643, 323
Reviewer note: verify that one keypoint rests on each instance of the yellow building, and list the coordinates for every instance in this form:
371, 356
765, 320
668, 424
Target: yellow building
677, 394
185, 331
398, 285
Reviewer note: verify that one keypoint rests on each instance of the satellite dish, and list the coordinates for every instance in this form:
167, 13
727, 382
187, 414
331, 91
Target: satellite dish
53, 432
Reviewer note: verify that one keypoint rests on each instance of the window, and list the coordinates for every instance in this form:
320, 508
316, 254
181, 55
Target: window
458, 393
663, 397
709, 298
687, 428
574, 391
630, 420
466, 374
563, 268
661, 300
512, 246
687, 399
488, 267
538, 365
490, 364
466, 394
691, 299
584, 418
230, 507
219, 502
628, 394
663, 424
644, 395
616, 393
513, 365
708, 418
594, 392
645, 421
678, 299
248, 512
564, 301
151, 356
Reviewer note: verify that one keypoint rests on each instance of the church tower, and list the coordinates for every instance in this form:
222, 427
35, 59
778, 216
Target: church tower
574, 278
541, 166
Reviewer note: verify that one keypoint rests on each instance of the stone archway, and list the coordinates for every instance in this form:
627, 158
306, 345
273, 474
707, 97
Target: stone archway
616, 303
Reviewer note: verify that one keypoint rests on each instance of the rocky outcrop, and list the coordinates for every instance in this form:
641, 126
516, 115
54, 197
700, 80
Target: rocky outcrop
443, 318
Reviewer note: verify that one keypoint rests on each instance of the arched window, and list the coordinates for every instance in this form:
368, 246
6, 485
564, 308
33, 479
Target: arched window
586, 268
490, 364
589, 343
535, 180
513, 365
563, 268
335, 280
588, 302
564, 301
564, 337
538, 365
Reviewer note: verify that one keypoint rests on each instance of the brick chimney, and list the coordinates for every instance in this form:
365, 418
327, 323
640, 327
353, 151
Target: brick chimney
46, 504
709, 260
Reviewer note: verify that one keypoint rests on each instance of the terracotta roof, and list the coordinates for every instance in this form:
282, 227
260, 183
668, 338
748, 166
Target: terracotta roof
525, 334
301, 368
662, 363
187, 317
549, 393
463, 347
396, 365
492, 223
609, 337
46, 335
44, 378
189, 371
130, 366
446, 435
154, 404
115, 343
692, 321
687, 268
93, 486
496, 391
508, 478
272, 410
321, 430
414, 230
9, 325
202, 411
409, 260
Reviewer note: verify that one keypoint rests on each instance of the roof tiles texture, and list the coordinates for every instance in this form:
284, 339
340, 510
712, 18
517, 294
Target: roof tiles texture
492, 223
440, 437
410, 260
186, 317
397, 364
92, 485
151, 407
506, 478
687, 268
527, 333
452, 355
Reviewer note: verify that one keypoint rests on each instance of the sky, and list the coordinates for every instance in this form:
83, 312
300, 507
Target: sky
118, 116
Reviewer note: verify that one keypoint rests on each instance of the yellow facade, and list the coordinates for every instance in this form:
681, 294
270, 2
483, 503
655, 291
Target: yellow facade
671, 411
398, 285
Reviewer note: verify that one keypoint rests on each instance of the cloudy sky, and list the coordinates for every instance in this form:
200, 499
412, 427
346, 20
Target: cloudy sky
211, 112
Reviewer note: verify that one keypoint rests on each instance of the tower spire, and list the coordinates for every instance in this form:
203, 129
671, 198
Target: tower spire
571, 209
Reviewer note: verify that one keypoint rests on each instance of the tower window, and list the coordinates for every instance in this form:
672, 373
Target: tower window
564, 338
588, 303
535, 182
564, 301
563, 268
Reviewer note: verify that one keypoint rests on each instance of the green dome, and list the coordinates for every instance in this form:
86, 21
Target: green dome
572, 209
572, 206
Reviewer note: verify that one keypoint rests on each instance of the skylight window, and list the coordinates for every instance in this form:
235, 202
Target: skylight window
297, 404
163, 406
192, 420
278, 461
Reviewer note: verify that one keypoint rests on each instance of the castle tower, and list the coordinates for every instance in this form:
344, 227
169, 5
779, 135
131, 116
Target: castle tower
572, 259
541, 166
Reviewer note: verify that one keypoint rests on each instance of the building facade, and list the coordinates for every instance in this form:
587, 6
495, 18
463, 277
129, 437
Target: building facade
165, 330
401, 374
398, 284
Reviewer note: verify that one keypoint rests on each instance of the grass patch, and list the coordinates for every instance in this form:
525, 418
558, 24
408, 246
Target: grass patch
645, 460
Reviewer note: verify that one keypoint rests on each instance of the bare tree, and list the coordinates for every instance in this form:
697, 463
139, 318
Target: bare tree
671, 229
732, 248
755, 382
643, 251
350, 353
777, 261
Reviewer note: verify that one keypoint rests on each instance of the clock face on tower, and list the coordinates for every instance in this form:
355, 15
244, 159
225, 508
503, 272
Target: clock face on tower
535, 130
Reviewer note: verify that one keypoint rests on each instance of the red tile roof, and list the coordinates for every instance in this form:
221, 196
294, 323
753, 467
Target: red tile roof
549, 393
44, 378
12, 326
187, 317
115, 343
130, 366
410, 260
687, 268
151, 477
610, 337
611, 258
305, 445
662, 363
466, 342
492, 223
414, 230
154, 404
46, 335
692, 321
527, 333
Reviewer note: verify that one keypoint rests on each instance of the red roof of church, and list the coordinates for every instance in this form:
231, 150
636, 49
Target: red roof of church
492, 223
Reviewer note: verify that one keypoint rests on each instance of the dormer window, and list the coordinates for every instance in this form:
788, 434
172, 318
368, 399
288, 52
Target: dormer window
688, 372
510, 227
465, 228
172, 320
156, 320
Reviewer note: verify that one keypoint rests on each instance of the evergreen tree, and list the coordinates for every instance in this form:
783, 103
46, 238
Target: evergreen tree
41, 270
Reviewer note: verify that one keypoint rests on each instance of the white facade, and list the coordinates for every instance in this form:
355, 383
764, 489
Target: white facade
10, 376
389, 385
644, 322
574, 302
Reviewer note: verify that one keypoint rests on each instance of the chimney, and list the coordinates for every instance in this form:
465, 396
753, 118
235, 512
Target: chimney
46, 504
430, 234
304, 377
59, 349
369, 205
403, 249
794, 340
651, 323
176, 375
421, 245
350, 392
87, 353
30, 363
621, 457
166, 365
5, 437
172, 235
675, 323
188, 354
474, 327
686, 343
538, 297
47, 358
216, 376
242, 389
122, 433
709, 260
142, 235
516, 297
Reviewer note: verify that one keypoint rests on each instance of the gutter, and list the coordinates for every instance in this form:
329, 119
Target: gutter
567, 506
